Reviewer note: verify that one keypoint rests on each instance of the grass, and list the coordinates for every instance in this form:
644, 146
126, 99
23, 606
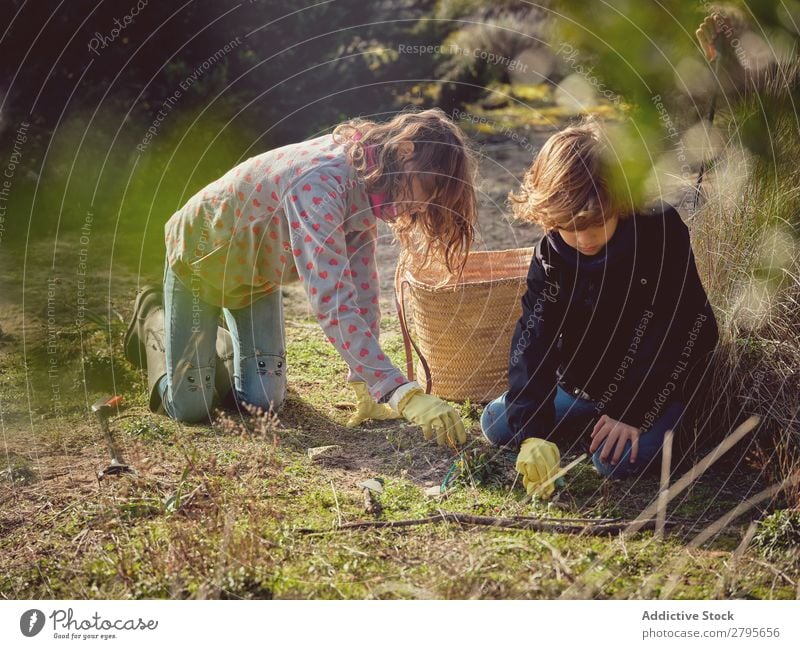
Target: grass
746, 241
522, 107
218, 511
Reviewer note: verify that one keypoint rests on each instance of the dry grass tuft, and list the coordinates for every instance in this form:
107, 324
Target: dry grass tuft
746, 242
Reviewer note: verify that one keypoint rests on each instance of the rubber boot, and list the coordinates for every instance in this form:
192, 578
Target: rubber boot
223, 374
149, 297
153, 341
145, 347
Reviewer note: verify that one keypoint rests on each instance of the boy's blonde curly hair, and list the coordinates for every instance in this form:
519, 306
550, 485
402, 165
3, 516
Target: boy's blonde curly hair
568, 185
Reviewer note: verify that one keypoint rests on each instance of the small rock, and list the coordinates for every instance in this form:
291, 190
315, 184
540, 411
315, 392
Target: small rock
372, 484
436, 492
18, 474
320, 452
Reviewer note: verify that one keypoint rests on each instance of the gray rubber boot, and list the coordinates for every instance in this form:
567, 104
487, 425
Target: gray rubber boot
150, 296
223, 374
153, 341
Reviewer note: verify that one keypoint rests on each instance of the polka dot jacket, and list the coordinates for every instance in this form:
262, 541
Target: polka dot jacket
297, 213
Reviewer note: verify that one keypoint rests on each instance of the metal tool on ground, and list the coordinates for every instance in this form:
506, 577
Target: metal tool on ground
103, 408
462, 461
371, 489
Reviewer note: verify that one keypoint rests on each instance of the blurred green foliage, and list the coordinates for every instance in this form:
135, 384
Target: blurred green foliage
118, 138
648, 53
127, 134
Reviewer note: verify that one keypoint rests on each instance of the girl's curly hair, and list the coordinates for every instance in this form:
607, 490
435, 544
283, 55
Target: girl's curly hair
442, 162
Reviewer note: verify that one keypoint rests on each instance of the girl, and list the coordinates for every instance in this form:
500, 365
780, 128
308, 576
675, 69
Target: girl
306, 212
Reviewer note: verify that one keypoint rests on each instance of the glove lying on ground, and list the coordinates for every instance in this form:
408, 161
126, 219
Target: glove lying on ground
433, 415
538, 461
367, 407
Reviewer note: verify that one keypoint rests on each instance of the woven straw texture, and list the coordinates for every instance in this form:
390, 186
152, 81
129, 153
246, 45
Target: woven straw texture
464, 328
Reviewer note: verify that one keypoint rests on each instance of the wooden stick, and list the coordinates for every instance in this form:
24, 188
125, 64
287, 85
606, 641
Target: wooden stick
722, 522
336, 500
568, 520
698, 469
666, 465
489, 521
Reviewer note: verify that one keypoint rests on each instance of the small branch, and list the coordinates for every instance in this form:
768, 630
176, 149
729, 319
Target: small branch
489, 521
775, 571
542, 519
666, 470
338, 510
559, 559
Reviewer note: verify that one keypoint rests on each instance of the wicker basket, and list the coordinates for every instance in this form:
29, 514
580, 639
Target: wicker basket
463, 329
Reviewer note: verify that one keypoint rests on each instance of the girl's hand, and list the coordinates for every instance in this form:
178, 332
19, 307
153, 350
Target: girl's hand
434, 416
367, 407
616, 434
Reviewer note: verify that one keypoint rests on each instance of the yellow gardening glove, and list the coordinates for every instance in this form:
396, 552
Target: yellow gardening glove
367, 407
538, 461
432, 415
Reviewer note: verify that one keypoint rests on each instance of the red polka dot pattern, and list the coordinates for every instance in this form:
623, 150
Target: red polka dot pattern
297, 213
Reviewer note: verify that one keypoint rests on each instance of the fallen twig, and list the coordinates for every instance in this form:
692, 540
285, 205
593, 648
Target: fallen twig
560, 562
569, 520
336, 500
778, 572
550, 525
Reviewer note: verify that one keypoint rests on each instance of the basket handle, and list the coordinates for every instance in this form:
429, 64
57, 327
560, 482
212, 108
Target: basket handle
408, 342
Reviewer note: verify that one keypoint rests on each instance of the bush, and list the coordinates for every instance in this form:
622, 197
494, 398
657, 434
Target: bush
778, 533
745, 241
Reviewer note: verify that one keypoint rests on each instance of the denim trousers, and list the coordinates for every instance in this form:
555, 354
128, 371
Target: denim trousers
190, 338
575, 418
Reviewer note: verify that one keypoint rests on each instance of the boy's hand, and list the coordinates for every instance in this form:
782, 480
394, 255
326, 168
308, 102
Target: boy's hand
707, 34
616, 435
538, 461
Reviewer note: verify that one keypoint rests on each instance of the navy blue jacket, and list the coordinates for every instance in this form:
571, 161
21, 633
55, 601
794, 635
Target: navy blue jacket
626, 325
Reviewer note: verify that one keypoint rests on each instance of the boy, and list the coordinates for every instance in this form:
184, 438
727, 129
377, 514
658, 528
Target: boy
613, 320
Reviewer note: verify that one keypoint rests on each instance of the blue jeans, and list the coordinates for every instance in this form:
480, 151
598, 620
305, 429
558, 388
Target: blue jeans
190, 339
575, 418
